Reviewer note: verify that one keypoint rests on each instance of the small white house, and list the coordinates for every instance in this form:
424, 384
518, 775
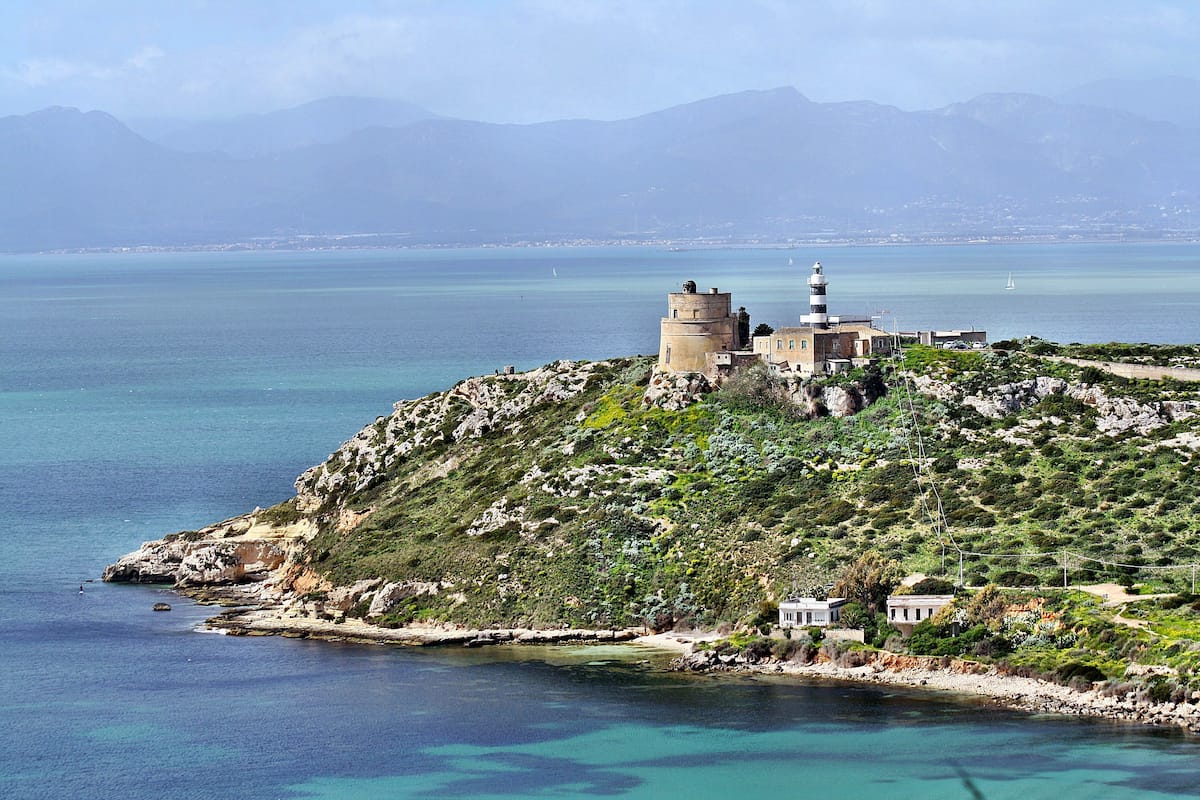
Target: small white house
805, 612
905, 611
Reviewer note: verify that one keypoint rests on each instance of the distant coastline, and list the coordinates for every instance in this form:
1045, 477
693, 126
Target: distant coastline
336, 243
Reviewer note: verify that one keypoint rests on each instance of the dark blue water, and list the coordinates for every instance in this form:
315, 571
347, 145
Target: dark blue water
141, 394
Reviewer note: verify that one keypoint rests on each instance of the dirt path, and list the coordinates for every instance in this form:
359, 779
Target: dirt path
1114, 594
1142, 371
1137, 624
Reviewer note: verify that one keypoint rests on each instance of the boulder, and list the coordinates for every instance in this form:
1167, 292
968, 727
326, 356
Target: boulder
392, 594
673, 392
843, 402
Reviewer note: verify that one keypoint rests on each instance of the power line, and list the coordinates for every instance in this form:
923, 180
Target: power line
919, 461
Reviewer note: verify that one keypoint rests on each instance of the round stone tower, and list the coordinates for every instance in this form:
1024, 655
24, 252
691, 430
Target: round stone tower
696, 324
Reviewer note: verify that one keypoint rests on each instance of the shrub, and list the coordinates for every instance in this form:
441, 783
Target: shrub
1073, 672
1014, 577
932, 586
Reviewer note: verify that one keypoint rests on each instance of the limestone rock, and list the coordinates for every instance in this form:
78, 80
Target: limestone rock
1115, 415
471, 409
673, 391
193, 559
843, 402
153, 562
392, 594
227, 562
342, 598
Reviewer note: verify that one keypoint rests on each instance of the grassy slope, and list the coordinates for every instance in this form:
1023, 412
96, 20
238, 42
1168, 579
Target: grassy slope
645, 515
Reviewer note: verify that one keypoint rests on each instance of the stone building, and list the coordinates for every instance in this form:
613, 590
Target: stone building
808, 350
701, 334
696, 325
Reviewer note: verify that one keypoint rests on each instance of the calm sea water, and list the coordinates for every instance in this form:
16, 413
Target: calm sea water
141, 394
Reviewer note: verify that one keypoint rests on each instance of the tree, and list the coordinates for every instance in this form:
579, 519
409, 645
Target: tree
763, 329
869, 580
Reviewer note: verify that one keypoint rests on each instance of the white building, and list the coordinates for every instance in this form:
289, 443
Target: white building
905, 611
806, 612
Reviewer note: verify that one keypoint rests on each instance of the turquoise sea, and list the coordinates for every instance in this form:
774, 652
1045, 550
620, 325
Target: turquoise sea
146, 393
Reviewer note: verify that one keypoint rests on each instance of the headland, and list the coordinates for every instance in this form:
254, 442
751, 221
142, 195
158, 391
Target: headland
597, 501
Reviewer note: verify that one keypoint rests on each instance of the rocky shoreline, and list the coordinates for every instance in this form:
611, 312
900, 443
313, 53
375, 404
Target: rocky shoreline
959, 677
272, 622
252, 612
242, 563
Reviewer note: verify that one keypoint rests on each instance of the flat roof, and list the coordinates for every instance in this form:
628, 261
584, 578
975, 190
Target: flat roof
812, 602
901, 600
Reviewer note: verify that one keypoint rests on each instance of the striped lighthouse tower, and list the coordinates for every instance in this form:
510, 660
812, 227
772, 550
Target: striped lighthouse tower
816, 315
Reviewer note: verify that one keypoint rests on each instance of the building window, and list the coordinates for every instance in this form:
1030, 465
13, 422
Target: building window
804, 345
779, 344
918, 615
791, 344
675, 313
893, 613
668, 358
906, 613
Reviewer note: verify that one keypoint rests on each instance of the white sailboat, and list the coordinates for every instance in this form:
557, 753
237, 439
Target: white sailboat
1010, 286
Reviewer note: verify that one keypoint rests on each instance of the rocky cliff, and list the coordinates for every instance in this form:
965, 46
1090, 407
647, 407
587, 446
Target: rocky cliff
600, 495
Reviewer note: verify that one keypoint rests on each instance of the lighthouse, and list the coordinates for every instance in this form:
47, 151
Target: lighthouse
816, 316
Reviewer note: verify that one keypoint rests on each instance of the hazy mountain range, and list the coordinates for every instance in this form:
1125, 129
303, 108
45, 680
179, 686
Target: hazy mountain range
1108, 157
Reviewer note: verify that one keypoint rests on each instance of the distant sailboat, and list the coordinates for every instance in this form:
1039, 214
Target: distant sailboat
790, 262
554, 271
1010, 285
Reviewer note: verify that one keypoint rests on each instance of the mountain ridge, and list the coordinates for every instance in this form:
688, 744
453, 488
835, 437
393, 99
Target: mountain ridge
741, 167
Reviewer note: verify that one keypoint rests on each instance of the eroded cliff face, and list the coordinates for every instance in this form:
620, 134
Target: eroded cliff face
242, 550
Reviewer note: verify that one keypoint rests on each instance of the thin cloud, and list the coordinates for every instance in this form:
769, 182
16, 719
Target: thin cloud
39, 72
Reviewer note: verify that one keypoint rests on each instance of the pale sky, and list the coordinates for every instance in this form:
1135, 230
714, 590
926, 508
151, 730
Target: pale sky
533, 60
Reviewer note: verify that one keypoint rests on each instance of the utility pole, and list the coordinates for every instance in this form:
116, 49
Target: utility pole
960, 570
1064, 569
1193, 578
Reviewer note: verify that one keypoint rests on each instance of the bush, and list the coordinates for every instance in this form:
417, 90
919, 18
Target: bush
766, 615
1074, 673
932, 586
854, 615
759, 648
1014, 577
1160, 689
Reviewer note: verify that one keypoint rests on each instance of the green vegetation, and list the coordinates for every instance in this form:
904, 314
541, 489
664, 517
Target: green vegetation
599, 510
